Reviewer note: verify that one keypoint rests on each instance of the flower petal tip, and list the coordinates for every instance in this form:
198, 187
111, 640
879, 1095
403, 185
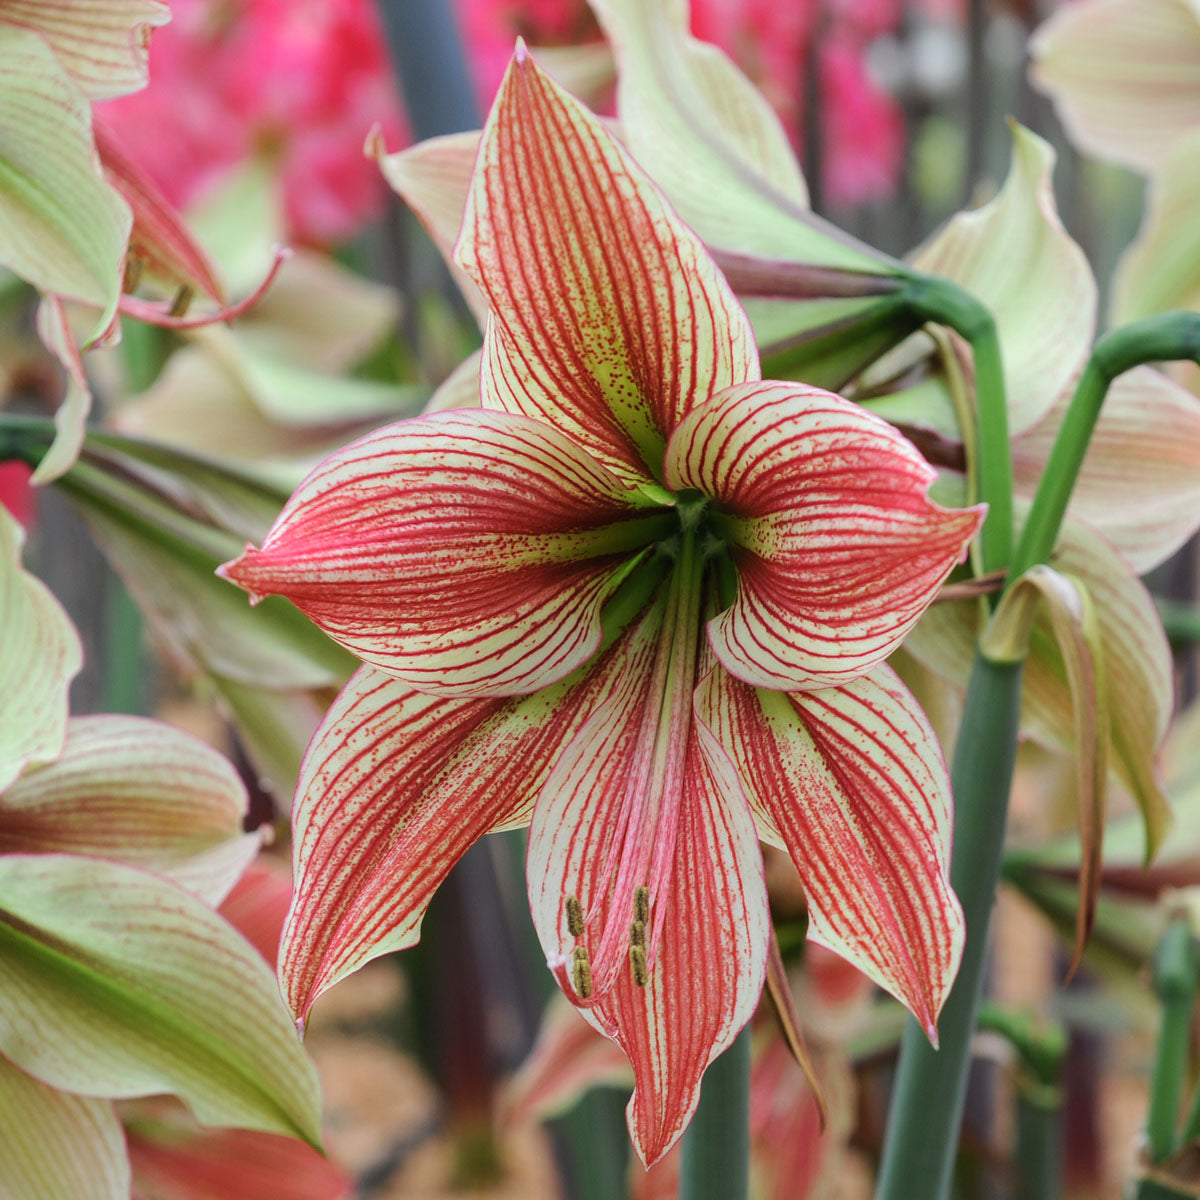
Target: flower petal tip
234, 571
520, 52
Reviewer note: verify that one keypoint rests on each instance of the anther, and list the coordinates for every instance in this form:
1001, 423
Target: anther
641, 904
637, 961
133, 273
574, 916
181, 303
581, 973
637, 934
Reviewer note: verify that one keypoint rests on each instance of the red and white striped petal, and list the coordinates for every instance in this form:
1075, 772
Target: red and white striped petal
395, 787
853, 782
609, 318
646, 884
466, 553
838, 548
708, 973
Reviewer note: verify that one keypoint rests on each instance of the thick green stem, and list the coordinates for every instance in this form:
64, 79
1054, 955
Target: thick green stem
1039, 1144
945, 303
716, 1146
1168, 337
1175, 972
930, 1086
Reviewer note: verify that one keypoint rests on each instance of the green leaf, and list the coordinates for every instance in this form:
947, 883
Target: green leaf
62, 228
114, 982
39, 656
57, 1145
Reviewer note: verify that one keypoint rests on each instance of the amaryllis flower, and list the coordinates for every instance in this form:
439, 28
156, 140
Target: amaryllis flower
639, 600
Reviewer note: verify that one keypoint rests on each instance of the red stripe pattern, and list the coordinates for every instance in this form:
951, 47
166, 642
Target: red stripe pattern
852, 782
609, 319
394, 788
838, 548
466, 553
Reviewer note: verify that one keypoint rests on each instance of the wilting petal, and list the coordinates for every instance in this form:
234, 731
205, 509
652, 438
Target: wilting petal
395, 787
1124, 76
160, 240
39, 656
1140, 483
1015, 255
139, 792
707, 907
838, 548
58, 1145
1137, 663
1161, 269
610, 320
114, 982
70, 418
467, 552
101, 43
852, 782
62, 228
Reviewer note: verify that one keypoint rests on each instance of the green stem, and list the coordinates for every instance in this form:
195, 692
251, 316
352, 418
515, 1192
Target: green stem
716, 1146
1168, 337
1181, 621
1039, 1143
1175, 979
939, 300
930, 1086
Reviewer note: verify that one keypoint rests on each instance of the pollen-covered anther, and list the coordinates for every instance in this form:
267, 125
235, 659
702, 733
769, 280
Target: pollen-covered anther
181, 302
637, 933
133, 273
581, 973
639, 965
574, 916
641, 904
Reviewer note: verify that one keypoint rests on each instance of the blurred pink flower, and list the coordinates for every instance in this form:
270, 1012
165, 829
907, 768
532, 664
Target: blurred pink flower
863, 132
299, 81
16, 494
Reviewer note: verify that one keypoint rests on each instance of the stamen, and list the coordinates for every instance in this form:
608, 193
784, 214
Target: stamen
637, 933
181, 303
637, 960
574, 916
581, 973
641, 904
133, 273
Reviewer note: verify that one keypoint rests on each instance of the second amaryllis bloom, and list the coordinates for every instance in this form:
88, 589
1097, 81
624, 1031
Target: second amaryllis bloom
640, 600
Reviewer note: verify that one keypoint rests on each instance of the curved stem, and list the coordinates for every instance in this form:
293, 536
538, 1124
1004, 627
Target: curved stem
1167, 337
930, 1087
939, 300
716, 1146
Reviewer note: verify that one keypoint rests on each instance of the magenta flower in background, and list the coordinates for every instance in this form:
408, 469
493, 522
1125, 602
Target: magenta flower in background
863, 131
300, 82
